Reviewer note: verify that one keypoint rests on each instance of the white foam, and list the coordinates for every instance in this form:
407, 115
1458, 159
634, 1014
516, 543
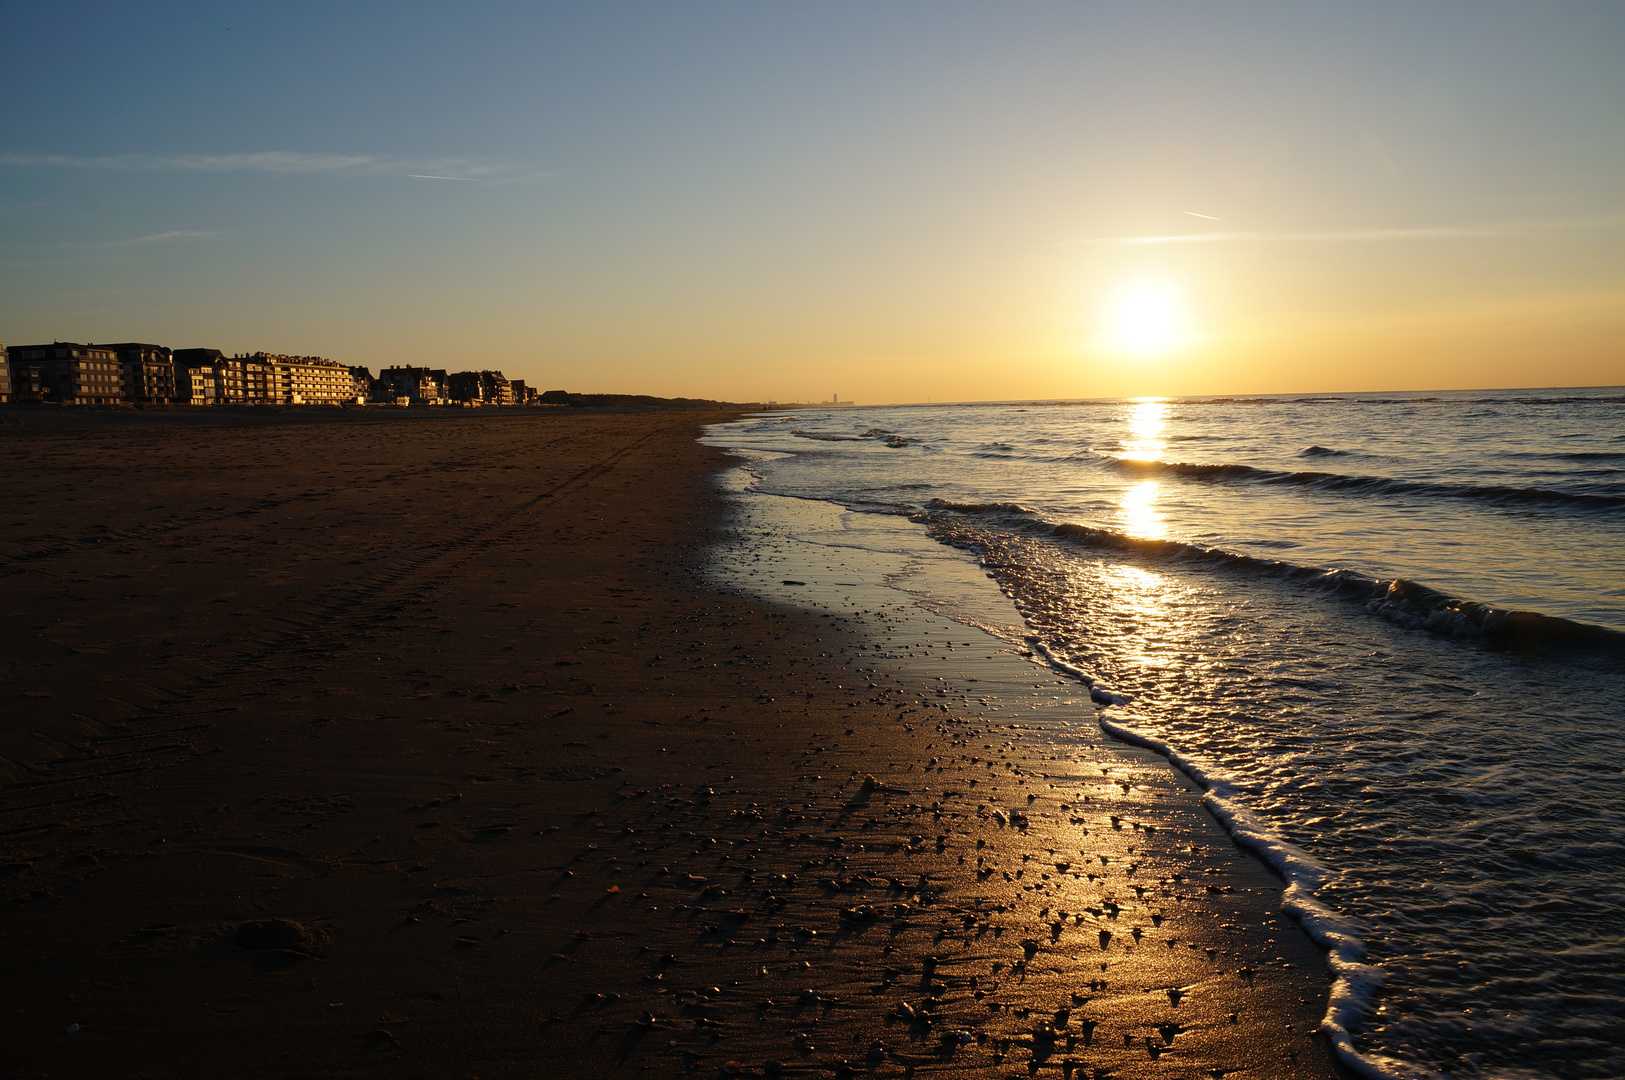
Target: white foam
1354, 981
1097, 692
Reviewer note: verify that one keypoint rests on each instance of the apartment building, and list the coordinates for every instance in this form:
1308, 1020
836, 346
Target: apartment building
149, 372
5, 376
479, 388
309, 380
194, 386
228, 380
24, 379
412, 385
210, 366
256, 378
72, 373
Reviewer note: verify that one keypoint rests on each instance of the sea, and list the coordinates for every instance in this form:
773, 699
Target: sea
1386, 632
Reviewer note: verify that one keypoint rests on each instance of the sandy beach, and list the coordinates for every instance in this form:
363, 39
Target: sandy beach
413, 743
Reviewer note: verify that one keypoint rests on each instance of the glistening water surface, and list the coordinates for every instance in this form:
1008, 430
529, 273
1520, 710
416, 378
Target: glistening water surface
1385, 628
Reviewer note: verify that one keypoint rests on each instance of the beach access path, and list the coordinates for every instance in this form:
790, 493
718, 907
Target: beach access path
410, 743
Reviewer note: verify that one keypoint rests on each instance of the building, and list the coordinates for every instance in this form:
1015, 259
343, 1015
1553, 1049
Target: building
464, 387
523, 394
5, 376
71, 373
412, 386
267, 379
363, 382
256, 378
149, 373
194, 386
23, 379
230, 380
417, 385
206, 369
498, 390
309, 380
479, 388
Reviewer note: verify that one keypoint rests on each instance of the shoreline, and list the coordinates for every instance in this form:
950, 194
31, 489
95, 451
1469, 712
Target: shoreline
345, 754
880, 572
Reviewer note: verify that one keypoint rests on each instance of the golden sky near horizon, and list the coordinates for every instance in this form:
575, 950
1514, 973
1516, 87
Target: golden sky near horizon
947, 201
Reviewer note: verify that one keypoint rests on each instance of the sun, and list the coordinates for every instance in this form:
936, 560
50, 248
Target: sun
1145, 318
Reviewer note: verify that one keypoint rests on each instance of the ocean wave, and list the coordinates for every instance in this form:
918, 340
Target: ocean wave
1324, 399
824, 436
1401, 601
1111, 447
1432, 399
1346, 483
1575, 455
980, 508
1408, 603
1321, 451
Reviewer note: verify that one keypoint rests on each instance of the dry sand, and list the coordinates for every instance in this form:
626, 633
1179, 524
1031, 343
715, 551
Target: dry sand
410, 744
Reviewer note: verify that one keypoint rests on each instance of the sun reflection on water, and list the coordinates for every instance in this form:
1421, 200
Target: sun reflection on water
1142, 597
1146, 419
1141, 518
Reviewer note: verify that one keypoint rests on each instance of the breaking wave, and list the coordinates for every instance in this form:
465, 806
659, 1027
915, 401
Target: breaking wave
824, 436
980, 508
1399, 600
1345, 483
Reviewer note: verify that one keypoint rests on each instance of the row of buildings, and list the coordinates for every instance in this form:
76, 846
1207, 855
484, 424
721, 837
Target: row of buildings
132, 372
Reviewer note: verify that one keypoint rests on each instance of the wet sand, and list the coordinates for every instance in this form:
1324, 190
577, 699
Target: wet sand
413, 744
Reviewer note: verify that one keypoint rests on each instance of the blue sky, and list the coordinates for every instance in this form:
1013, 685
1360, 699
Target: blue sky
896, 200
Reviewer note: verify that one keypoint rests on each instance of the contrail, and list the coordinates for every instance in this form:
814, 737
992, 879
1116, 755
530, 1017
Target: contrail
1193, 213
421, 176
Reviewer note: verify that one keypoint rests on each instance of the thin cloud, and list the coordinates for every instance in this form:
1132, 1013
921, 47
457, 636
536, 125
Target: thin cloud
283, 163
271, 162
92, 311
155, 238
173, 234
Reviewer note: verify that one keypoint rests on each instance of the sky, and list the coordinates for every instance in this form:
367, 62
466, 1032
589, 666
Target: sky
892, 200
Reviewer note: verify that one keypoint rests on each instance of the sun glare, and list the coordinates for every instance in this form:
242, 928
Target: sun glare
1146, 319
1146, 420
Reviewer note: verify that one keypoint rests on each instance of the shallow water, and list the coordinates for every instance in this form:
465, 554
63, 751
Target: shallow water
1384, 629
